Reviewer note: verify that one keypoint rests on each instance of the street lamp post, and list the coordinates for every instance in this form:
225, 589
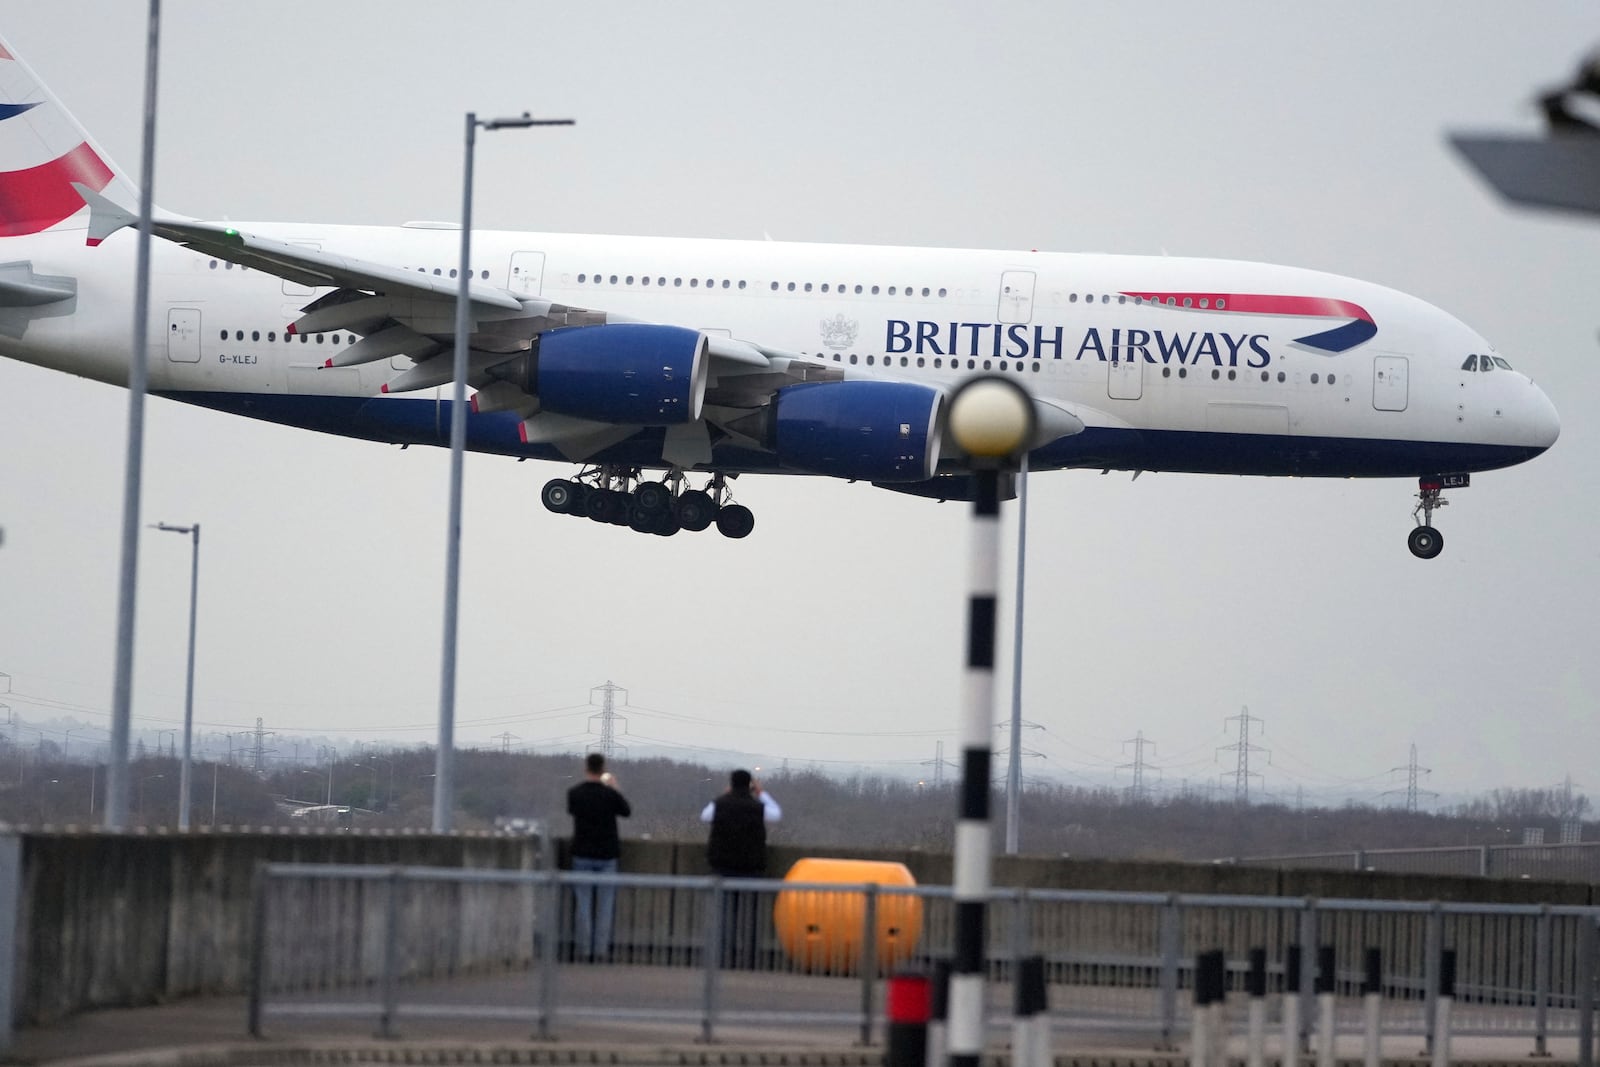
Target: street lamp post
138, 379
444, 763
142, 781
188, 697
383, 759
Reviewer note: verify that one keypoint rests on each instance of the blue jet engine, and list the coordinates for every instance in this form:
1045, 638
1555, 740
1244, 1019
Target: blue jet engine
619, 373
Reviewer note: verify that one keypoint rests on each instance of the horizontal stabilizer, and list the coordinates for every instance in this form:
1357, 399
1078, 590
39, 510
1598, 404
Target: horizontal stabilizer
106, 216
20, 287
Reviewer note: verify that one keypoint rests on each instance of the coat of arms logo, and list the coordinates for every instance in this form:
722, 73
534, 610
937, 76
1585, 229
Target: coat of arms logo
839, 332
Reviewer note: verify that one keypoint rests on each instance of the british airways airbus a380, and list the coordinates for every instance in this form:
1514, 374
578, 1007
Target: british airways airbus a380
664, 367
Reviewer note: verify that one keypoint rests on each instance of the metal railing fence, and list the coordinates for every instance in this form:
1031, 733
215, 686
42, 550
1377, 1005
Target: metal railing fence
1577, 861
420, 942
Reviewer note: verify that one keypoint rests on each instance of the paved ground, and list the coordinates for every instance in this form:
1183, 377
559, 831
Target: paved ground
211, 1033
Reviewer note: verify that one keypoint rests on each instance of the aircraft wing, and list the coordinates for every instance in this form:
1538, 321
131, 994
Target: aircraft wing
407, 313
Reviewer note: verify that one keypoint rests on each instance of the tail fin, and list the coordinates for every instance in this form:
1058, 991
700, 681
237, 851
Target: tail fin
44, 153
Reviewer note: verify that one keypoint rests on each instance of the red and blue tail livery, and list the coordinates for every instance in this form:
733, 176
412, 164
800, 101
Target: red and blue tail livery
42, 154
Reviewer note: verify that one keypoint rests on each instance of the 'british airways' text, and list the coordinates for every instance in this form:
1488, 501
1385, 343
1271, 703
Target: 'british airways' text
999, 340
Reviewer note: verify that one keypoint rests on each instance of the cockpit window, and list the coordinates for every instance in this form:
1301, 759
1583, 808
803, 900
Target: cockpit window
1500, 362
1470, 364
1486, 364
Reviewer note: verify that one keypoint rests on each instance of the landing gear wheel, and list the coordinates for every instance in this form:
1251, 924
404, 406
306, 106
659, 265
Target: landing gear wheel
621, 507
641, 520
1426, 542
652, 497
666, 525
580, 499
735, 521
557, 496
607, 505
694, 510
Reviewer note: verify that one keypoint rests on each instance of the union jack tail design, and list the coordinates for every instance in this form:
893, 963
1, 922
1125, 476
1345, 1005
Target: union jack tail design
43, 153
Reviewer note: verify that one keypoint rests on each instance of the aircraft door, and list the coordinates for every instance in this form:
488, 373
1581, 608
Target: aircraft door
1016, 296
1389, 375
183, 335
527, 273
1126, 381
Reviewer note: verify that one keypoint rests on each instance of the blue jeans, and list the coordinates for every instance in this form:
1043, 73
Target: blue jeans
594, 916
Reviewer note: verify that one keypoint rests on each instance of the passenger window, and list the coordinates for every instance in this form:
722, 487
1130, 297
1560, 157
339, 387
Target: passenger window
1470, 364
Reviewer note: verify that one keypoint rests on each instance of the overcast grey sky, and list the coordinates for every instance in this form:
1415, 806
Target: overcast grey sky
1285, 133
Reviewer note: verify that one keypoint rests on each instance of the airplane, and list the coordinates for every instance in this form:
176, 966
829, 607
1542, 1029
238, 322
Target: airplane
665, 368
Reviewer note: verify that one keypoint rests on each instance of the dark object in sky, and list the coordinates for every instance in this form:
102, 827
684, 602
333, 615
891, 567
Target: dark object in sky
1557, 172
1560, 170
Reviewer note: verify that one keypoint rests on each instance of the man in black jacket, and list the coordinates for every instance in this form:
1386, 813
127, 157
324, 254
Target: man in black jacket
595, 804
737, 848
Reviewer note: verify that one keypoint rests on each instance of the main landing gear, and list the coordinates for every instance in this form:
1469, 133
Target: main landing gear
618, 496
1425, 541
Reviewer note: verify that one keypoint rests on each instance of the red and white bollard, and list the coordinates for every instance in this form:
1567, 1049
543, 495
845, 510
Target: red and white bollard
908, 1005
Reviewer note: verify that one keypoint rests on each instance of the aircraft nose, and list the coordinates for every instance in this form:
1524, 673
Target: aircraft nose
1544, 424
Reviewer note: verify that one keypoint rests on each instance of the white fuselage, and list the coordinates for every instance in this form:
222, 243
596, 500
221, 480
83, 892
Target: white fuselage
1235, 382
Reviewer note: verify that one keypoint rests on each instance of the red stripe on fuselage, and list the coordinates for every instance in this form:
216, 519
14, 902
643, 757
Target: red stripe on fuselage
1257, 304
37, 198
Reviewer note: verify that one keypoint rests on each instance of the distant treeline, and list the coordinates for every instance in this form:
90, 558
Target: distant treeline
394, 789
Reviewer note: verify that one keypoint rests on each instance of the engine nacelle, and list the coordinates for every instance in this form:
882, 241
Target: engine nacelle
875, 431
620, 372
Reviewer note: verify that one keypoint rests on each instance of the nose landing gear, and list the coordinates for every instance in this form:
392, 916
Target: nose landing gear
1425, 542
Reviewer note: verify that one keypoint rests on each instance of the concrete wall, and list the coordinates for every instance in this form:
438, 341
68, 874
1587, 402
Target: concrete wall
119, 920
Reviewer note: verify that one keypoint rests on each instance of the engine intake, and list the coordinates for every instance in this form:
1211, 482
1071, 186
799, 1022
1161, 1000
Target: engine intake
619, 372
876, 431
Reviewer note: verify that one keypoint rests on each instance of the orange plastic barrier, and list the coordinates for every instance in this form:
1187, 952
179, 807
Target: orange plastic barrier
821, 929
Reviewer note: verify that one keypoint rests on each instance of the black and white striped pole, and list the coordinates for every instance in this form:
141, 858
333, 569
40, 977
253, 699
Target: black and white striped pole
1441, 1008
1327, 992
1372, 1002
1256, 987
1291, 1006
991, 420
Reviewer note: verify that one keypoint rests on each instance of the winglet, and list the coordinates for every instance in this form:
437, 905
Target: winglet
106, 216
